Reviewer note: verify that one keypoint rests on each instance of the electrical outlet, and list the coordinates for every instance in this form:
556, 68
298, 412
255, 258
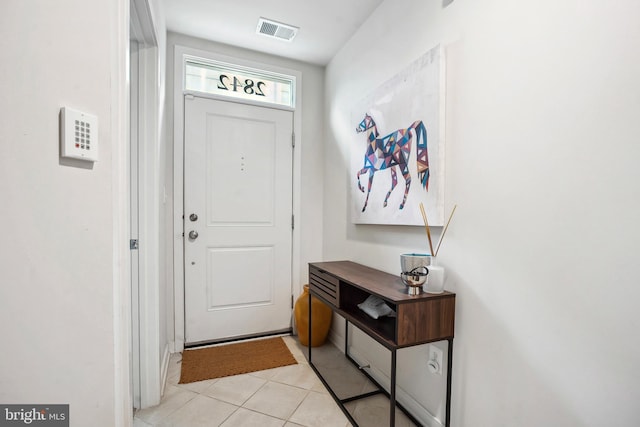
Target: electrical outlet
435, 360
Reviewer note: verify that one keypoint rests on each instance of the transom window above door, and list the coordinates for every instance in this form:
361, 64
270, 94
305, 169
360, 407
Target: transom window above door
234, 81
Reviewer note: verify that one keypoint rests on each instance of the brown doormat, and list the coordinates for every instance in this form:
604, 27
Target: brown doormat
233, 359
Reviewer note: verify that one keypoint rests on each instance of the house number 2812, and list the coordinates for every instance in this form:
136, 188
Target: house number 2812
249, 86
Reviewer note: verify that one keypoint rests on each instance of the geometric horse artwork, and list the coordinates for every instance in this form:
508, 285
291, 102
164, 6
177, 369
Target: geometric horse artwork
392, 121
391, 151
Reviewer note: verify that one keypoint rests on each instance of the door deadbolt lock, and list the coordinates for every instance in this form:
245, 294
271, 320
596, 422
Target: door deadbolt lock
193, 234
193, 217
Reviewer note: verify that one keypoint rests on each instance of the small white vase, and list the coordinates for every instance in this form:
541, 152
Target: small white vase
435, 278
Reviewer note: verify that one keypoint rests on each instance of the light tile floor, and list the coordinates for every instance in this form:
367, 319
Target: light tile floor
288, 396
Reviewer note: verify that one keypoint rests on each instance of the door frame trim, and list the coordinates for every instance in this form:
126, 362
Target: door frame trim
153, 360
134, 197
180, 54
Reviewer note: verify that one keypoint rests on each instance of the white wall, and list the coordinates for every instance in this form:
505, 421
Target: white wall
57, 254
542, 153
310, 143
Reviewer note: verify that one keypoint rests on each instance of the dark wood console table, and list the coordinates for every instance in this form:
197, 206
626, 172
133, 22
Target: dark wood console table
420, 319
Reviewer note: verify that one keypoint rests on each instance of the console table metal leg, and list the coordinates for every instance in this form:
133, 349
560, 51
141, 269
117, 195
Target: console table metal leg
392, 390
449, 366
346, 337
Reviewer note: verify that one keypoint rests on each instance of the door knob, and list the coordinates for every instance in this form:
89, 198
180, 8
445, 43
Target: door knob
193, 234
193, 217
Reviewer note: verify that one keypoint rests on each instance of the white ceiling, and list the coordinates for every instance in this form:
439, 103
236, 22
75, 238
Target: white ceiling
324, 25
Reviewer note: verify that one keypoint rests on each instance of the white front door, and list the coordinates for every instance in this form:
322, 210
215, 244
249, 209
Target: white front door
237, 219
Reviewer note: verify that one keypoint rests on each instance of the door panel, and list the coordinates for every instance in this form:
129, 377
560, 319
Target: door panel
242, 179
256, 286
238, 183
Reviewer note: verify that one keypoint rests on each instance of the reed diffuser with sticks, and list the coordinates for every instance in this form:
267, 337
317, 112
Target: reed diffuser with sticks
435, 277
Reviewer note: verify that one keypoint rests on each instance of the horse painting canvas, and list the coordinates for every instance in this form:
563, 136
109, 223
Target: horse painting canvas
398, 137
391, 151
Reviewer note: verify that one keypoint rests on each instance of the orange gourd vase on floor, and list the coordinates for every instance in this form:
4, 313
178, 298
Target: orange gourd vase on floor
320, 319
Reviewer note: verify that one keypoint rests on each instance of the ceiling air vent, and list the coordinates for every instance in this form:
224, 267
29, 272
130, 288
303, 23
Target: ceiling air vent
277, 30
